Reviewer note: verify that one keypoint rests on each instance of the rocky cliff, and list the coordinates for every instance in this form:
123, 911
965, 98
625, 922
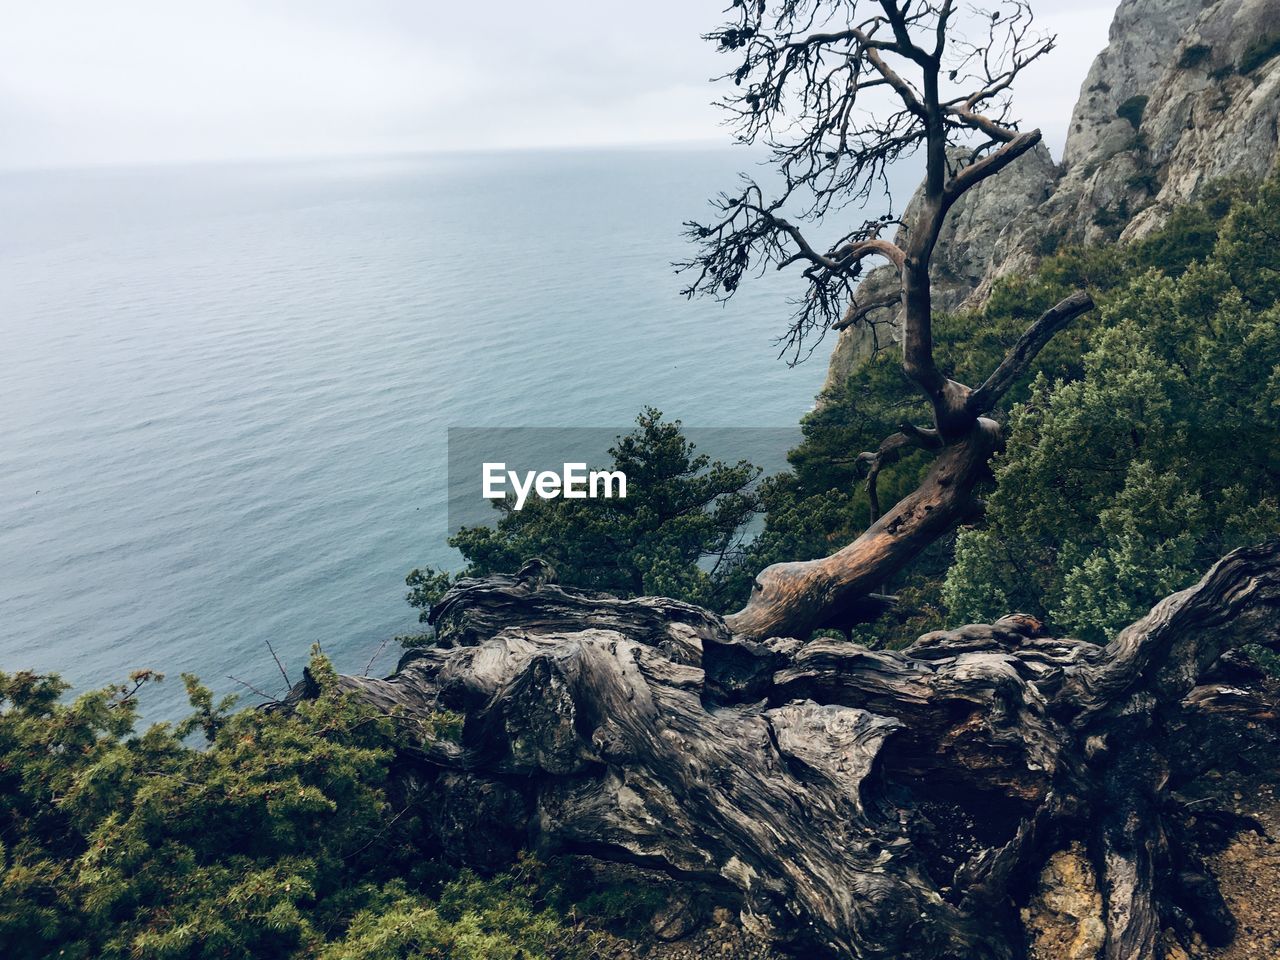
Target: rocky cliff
1186, 92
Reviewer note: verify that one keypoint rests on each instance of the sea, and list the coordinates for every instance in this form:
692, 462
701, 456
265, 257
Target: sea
225, 389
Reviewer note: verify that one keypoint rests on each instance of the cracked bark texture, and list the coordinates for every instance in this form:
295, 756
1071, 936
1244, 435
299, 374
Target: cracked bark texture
852, 802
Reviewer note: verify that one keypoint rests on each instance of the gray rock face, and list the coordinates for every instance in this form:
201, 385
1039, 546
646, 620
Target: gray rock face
1215, 113
1182, 96
981, 226
1142, 39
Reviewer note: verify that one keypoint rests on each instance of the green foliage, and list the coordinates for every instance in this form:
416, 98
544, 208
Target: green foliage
280, 838
1133, 109
1145, 180
672, 535
1124, 485
1261, 49
509, 917
426, 587
688, 510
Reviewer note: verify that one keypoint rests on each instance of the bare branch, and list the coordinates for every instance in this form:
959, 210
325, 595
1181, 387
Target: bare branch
990, 165
749, 235
249, 686
892, 449
926, 438
288, 684
1020, 355
376, 653
856, 312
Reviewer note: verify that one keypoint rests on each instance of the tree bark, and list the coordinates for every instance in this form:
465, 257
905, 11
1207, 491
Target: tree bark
797, 598
851, 802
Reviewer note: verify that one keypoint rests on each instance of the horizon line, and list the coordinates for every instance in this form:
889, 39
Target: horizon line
283, 158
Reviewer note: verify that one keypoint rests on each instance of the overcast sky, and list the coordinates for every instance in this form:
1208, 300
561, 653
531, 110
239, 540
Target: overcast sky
91, 82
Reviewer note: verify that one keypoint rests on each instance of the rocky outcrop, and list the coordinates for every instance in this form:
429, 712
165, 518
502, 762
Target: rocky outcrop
1065, 919
1215, 113
1186, 93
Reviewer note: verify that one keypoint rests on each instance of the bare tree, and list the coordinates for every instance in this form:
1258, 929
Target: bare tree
838, 92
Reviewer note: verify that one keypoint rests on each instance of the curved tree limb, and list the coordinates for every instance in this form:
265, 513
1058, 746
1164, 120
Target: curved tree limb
794, 599
856, 312
1020, 356
890, 451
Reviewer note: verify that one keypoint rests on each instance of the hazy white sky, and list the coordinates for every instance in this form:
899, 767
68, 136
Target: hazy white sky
88, 82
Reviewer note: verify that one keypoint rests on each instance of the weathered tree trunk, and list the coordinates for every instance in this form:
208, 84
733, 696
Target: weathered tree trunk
797, 598
794, 599
854, 803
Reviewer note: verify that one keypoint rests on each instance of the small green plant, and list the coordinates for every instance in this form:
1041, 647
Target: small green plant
507, 917
1047, 243
623, 904
1144, 181
1109, 217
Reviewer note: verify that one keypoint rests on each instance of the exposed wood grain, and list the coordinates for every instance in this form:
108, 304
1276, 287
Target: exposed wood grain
854, 802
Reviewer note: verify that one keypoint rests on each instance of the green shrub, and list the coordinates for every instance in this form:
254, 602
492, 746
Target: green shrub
1145, 181
283, 837
508, 917
820, 504
1124, 485
1108, 217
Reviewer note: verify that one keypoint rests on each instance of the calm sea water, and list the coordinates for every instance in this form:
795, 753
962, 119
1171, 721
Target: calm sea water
224, 390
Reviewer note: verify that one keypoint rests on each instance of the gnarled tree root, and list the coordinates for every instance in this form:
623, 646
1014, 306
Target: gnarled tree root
855, 803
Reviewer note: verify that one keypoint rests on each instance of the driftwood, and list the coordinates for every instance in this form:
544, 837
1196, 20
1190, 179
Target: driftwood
853, 802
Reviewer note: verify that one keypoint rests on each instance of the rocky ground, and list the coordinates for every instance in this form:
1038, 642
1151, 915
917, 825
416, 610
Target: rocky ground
722, 939
1064, 920
1248, 871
